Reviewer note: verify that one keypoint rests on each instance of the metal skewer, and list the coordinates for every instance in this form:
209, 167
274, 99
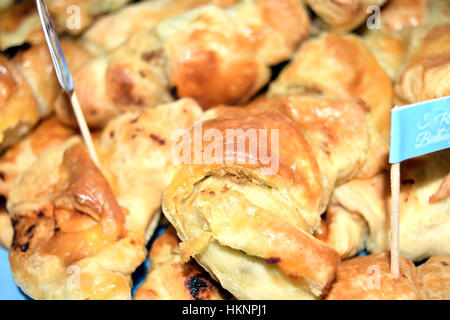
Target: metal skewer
64, 76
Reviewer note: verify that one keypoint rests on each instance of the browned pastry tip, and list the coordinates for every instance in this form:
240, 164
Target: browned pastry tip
434, 277
369, 278
78, 223
19, 157
171, 278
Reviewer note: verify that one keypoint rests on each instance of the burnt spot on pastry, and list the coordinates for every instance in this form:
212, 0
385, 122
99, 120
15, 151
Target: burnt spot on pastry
120, 85
29, 231
174, 93
445, 264
133, 136
2, 176
157, 139
11, 52
2, 203
195, 284
408, 181
40, 214
150, 55
112, 134
57, 229
212, 193
273, 260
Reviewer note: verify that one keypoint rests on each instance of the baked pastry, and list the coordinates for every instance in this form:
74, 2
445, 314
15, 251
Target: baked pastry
18, 108
427, 72
399, 15
248, 219
19, 23
169, 278
80, 234
114, 29
134, 149
21, 156
424, 225
210, 54
29, 87
343, 15
343, 230
339, 67
389, 48
369, 278
434, 278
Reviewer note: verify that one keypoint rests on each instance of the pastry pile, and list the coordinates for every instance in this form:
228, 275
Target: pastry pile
257, 131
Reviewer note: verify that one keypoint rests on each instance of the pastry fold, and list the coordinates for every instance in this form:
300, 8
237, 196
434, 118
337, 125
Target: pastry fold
425, 224
339, 67
249, 219
214, 55
169, 278
426, 74
369, 278
29, 87
21, 156
112, 30
80, 232
19, 23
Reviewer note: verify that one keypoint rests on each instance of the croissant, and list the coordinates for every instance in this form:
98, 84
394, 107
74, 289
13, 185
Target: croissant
79, 233
369, 278
169, 278
248, 218
19, 23
21, 156
399, 15
29, 87
339, 67
344, 15
425, 225
210, 54
434, 278
427, 72
114, 29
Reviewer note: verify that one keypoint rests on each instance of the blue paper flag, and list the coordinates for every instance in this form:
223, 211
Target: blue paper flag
419, 129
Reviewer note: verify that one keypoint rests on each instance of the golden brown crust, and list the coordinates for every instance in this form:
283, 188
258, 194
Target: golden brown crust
213, 55
339, 67
400, 15
343, 15
19, 157
18, 108
114, 29
169, 278
236, 211
434, 278
19, 23
369, 278
426, 75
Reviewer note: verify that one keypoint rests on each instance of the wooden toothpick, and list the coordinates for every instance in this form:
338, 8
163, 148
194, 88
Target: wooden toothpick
395, 220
